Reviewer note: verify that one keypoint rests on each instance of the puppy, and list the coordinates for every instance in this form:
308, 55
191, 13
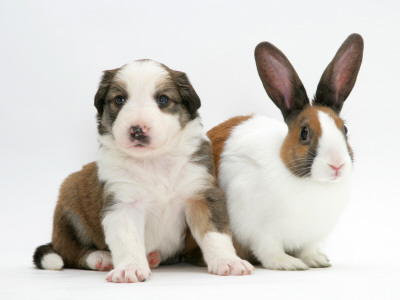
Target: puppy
153, 181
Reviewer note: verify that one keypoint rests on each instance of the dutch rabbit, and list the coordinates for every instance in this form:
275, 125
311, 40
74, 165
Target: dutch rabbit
287, 184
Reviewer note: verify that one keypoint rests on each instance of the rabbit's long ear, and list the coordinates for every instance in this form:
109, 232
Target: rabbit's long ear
280, 80
340, 75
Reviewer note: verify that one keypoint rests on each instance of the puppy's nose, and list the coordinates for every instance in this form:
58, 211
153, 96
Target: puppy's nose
137, 132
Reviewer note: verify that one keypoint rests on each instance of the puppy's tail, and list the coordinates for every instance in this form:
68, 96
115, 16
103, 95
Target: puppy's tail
46, 258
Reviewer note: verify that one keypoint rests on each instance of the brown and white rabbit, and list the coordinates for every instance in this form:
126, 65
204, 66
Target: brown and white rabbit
287, 185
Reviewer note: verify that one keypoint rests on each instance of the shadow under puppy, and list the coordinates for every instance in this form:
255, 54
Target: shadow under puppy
151, 189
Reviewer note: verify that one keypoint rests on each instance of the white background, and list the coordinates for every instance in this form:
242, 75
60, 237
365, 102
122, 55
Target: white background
51, 58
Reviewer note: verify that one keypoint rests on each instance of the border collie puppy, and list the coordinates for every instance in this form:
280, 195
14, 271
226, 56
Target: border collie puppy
152, 188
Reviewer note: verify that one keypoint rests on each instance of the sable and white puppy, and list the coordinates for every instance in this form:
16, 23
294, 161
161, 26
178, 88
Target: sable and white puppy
153, 180
287, 184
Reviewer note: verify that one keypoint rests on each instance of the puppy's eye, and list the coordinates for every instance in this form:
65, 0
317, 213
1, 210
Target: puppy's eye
119, 100
345, 130
305, 134
162, 101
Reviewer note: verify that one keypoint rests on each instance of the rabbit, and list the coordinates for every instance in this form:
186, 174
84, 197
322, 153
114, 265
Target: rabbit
287, 184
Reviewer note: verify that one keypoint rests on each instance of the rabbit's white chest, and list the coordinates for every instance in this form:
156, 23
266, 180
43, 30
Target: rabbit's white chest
304, 215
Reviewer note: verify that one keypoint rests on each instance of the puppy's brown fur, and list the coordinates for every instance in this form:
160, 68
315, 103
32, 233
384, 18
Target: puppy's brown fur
77, 218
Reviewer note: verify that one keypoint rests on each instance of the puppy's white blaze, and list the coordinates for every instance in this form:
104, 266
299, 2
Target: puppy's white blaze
52, 261
141, 77
332, 150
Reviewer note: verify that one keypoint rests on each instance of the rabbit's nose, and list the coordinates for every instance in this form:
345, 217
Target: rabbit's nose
336, 167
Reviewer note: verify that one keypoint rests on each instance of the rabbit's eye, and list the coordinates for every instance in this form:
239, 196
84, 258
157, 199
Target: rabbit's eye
345, 130
305, 134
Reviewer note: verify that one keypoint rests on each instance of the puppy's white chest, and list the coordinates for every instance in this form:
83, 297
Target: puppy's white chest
165, 229
158, 192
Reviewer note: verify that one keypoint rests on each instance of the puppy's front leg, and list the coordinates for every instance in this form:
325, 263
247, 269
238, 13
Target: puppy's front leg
123, 225
208, 220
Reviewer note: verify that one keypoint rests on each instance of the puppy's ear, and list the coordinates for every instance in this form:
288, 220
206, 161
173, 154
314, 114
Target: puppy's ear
100, 97
187, 92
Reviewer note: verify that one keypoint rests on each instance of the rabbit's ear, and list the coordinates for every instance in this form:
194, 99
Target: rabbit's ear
340, 75
280, 80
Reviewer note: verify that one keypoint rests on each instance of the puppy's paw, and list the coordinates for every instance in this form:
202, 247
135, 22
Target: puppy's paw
284, 262
52, 261
99, 260
314, 259
154, 259
230, 266
129, 273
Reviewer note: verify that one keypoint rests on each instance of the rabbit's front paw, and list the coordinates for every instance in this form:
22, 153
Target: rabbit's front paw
284, 262
314, 258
